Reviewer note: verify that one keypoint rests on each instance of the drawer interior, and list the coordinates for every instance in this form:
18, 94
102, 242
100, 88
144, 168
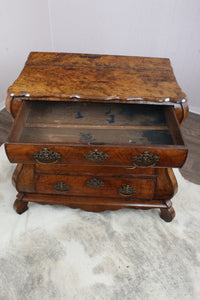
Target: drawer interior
96, 124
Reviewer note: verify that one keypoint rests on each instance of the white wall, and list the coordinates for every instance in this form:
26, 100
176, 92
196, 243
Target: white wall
24, 26
159, 28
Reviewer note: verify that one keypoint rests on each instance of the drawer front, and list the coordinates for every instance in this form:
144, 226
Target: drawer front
122, 188
98, 170
130, 157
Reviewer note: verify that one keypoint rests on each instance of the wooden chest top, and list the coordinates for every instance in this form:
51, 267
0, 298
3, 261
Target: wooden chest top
66, 76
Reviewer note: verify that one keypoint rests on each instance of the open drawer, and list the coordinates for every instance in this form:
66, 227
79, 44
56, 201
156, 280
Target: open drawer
86, 133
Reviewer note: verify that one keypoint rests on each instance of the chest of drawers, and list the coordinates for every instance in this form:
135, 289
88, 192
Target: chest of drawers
96, 132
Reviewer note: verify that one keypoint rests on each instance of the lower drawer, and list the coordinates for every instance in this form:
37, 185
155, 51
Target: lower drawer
96, 186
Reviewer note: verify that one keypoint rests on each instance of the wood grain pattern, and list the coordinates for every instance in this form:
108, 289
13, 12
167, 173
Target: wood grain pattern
119, 145
190, 130
109, 77
20, 205
88, 204
96, 123
109, 188
100, 170
92, 135
100, 203
118, 156
160, 187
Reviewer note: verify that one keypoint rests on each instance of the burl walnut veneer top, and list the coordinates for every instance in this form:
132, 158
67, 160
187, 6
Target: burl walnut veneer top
63, 76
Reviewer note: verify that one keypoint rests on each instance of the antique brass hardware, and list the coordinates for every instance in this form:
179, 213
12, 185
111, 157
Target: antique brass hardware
96, 155
46, 157
95, 183
61, 187
144, 160
127, 190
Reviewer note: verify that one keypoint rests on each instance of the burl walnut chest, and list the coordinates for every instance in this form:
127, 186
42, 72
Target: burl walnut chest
96, 132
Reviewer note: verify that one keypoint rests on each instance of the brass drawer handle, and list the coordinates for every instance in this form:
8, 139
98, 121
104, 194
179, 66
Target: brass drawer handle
46, 157
144, 160
95, 183
96, 155
127, 190
61, 187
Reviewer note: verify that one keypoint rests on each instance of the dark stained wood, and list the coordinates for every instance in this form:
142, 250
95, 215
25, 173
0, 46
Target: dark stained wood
109, 186
166, 184
88, 203
166, 187
16, 174
110, 77
120, 144
167, 214
100, 170
118, 156
29, 183
20, 205
138, 140
190, 129
13, 104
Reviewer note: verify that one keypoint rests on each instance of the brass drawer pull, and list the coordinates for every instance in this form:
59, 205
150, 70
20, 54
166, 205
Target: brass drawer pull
95, 183
46, 157
61, 187
144, 160
96, 155
127, 190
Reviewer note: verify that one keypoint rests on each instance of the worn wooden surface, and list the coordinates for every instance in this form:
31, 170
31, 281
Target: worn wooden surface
190, 130
113, 190
96, 124
153, 191
65, 75
50, 126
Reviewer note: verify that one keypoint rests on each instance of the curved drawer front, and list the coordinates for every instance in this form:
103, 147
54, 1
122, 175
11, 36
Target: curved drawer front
133, 136
123, 188
130, 157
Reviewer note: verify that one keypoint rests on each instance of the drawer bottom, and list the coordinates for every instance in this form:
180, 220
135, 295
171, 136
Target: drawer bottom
92, 204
